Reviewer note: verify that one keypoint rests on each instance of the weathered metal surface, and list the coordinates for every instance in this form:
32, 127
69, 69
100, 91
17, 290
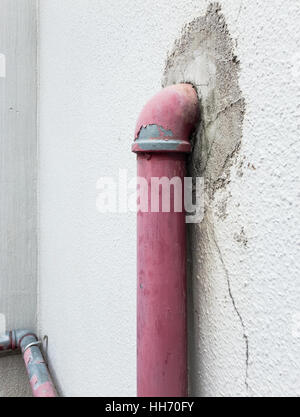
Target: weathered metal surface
39, 377
161, 246
161, 145
161, 328
167, 120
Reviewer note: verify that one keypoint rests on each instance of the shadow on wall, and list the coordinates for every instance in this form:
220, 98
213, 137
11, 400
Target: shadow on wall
204, 56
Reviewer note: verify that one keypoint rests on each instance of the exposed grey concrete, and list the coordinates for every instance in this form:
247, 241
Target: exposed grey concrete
18, 150
18, 176
205, 56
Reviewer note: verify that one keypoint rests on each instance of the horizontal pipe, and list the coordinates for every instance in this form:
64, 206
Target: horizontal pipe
39, 376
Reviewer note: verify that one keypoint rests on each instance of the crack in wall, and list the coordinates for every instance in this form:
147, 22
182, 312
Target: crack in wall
245, 336
205, 57
224, 110
239, 12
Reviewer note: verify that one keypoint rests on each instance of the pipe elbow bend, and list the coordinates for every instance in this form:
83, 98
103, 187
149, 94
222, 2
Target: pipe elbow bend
167, 120
16, 339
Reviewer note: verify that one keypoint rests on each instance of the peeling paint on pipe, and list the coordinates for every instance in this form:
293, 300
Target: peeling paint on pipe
39, 376
163, 131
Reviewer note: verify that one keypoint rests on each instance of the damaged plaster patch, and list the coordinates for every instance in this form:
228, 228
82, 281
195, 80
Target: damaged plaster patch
204, 56
241, 237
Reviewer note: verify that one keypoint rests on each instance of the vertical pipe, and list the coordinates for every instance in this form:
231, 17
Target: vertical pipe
162, 367
161, 144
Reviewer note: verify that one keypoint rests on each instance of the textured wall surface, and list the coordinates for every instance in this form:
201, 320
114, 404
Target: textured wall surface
244, 277
18, 249
99, 62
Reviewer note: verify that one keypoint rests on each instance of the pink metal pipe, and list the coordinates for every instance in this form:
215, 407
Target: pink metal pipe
161, 142
39, 376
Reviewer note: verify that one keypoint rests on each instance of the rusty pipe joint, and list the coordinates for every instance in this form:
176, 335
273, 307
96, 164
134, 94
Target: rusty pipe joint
166, 122
27, 342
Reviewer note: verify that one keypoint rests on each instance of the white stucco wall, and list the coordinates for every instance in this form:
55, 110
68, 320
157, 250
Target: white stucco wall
99, 63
